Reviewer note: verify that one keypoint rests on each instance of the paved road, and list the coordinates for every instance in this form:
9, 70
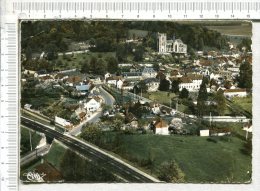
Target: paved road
109, 99
113, 164
34, 154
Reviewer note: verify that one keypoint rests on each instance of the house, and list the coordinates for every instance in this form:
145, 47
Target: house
128, 85
229, 93
152, 84
204, 133
93, 104
155, 108
60, 77
46, 78
63, 122
73, 80
132, 75
175, 73
112, 80
27, 106
83, 89
81, 113
161, 127
191, 82
119, 84
149, 72
170, 46
107, 75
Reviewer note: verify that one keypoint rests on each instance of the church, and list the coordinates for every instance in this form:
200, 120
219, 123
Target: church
170, 46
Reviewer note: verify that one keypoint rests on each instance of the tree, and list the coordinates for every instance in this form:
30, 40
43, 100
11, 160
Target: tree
245, 76
156, 66
92, 64
92, 133
221, 102
101, 67
51, 51
184, 93
28, 53
138, 53
201, 44
171, 172
175, 86
164, 85
140, 87
121, 53
85, 67
112, 64
202, 97
246, 42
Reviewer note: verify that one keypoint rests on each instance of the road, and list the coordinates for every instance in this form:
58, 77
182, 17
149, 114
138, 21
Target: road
111, 163
108, 99
34, 154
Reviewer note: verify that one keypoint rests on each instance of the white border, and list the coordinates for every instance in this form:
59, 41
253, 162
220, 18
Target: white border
255, 185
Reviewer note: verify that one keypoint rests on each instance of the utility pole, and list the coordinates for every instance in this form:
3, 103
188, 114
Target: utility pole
30, 139
210, 119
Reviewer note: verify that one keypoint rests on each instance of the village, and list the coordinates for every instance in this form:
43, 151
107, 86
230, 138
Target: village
219, 69
166, 91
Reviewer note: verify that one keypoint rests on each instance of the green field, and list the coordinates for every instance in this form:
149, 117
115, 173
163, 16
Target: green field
137, 33
201, 160
245, 29
68, 62
25, 140
55, 155
244, 102
160, 96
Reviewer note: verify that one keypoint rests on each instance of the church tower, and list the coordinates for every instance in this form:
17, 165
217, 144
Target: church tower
161, 42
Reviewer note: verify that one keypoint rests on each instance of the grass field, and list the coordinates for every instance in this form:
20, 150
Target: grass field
137, 33
55, 155
200, 160
245, 29
73, 61
244, 102
160, 96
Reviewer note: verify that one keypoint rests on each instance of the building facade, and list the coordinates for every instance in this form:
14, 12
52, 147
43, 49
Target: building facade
170, 46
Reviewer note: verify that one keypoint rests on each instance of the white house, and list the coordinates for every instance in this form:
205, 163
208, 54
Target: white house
190, 82
149, 72
63, 122
235, 93
112, 80
152, 84
161, 127
107, 75
119, 84
204, 133
93, 104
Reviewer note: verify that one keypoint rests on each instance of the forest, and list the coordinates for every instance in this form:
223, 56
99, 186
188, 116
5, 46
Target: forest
52, 36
